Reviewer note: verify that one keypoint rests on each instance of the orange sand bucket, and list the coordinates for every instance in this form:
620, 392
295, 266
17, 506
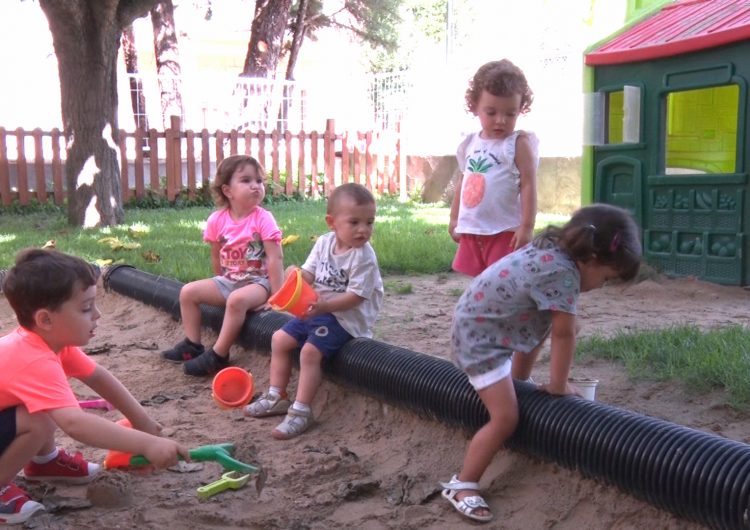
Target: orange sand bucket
232, 387
118, 459
295, 296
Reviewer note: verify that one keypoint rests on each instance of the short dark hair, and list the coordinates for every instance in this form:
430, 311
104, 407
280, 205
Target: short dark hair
44, 279
357, 192
499, 78
224, 171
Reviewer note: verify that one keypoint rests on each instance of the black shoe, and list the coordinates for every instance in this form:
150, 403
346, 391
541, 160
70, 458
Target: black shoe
183, 351
207, 363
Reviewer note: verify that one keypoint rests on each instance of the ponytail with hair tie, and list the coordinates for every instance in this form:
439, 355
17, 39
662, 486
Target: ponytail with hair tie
616, 240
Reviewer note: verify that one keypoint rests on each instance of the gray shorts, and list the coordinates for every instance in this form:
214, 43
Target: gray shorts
226, 287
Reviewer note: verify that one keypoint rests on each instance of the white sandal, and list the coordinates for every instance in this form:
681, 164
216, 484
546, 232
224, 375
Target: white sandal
468, 505
268, 405
295, 423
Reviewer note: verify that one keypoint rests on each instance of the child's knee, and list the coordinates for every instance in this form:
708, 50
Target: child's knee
39, 425
309, 355
504, 420
247, 299
235, 303
281, 342
44, 427
186, 293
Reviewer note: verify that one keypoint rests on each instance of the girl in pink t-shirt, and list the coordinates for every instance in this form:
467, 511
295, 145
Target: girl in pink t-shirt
246, 257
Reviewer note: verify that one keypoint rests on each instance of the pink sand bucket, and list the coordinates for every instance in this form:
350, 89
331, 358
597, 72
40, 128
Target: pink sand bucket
232, 387
295, 296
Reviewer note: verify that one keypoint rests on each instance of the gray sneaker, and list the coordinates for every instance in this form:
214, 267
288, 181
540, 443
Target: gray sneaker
295, 423
268, 405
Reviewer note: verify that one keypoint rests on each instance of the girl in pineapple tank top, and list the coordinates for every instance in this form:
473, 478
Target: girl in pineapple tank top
494, 207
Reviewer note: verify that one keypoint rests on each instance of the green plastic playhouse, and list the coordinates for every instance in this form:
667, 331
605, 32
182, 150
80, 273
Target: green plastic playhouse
667, 134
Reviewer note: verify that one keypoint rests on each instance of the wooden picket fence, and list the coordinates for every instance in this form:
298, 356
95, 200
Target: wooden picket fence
174, 161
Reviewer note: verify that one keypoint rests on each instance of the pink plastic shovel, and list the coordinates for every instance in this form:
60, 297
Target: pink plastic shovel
101, 404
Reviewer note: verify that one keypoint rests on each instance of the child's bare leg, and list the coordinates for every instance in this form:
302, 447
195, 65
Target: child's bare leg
276, 401
310, 373
299, 416
35, 434
191, 296
500, 400
239, 303
282, 345
523, 363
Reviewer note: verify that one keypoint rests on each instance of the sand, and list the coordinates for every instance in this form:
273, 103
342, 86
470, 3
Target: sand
366, 464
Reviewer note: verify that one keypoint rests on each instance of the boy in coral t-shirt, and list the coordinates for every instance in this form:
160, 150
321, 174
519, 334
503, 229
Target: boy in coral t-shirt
54, 298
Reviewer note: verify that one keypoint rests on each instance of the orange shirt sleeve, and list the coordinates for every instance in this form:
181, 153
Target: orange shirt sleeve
76, 363
44, 384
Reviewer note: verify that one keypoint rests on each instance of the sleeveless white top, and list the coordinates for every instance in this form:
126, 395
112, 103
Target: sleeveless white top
491, 185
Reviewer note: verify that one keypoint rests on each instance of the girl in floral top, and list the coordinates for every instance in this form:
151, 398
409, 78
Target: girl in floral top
512, 307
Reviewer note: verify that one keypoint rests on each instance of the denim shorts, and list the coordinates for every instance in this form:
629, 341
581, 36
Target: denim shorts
323, 331
7, 428
226, 286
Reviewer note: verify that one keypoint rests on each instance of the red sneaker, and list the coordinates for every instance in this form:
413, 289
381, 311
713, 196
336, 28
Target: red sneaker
64, 468
15, 505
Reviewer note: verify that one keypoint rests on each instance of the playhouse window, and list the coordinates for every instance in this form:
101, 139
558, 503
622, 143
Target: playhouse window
701, 130
613, 117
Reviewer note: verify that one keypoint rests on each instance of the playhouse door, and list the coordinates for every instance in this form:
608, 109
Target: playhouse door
618, 181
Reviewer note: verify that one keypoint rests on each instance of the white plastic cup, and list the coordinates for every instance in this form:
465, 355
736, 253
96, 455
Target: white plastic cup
587, 387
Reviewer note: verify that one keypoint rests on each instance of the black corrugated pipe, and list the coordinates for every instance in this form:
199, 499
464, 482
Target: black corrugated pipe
693, 474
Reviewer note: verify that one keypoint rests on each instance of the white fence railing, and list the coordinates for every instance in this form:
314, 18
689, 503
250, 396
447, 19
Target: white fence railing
226, 102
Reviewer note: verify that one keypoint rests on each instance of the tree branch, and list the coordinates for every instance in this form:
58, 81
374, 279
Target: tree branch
129, 10
365, 36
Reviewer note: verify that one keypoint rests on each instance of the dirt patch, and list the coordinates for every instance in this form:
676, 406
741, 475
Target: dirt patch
367, 464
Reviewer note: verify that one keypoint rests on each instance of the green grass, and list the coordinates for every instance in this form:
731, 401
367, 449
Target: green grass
398, 287
409, 238
717, 359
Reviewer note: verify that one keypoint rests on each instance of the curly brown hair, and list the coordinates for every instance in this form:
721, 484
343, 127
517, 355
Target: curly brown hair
499, 78
224, 172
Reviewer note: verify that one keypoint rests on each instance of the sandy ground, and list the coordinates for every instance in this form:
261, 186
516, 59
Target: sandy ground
366, 464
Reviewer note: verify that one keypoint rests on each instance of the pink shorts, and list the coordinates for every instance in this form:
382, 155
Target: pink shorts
475, 253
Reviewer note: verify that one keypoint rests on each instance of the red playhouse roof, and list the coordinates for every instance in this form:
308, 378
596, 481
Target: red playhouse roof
682, 27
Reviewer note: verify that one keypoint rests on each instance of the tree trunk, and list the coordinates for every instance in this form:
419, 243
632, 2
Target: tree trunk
86, 36
257, 103
266, 37
137, 97
298, 37
167, 56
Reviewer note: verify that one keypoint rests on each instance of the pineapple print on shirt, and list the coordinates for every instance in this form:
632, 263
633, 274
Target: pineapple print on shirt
475, 183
